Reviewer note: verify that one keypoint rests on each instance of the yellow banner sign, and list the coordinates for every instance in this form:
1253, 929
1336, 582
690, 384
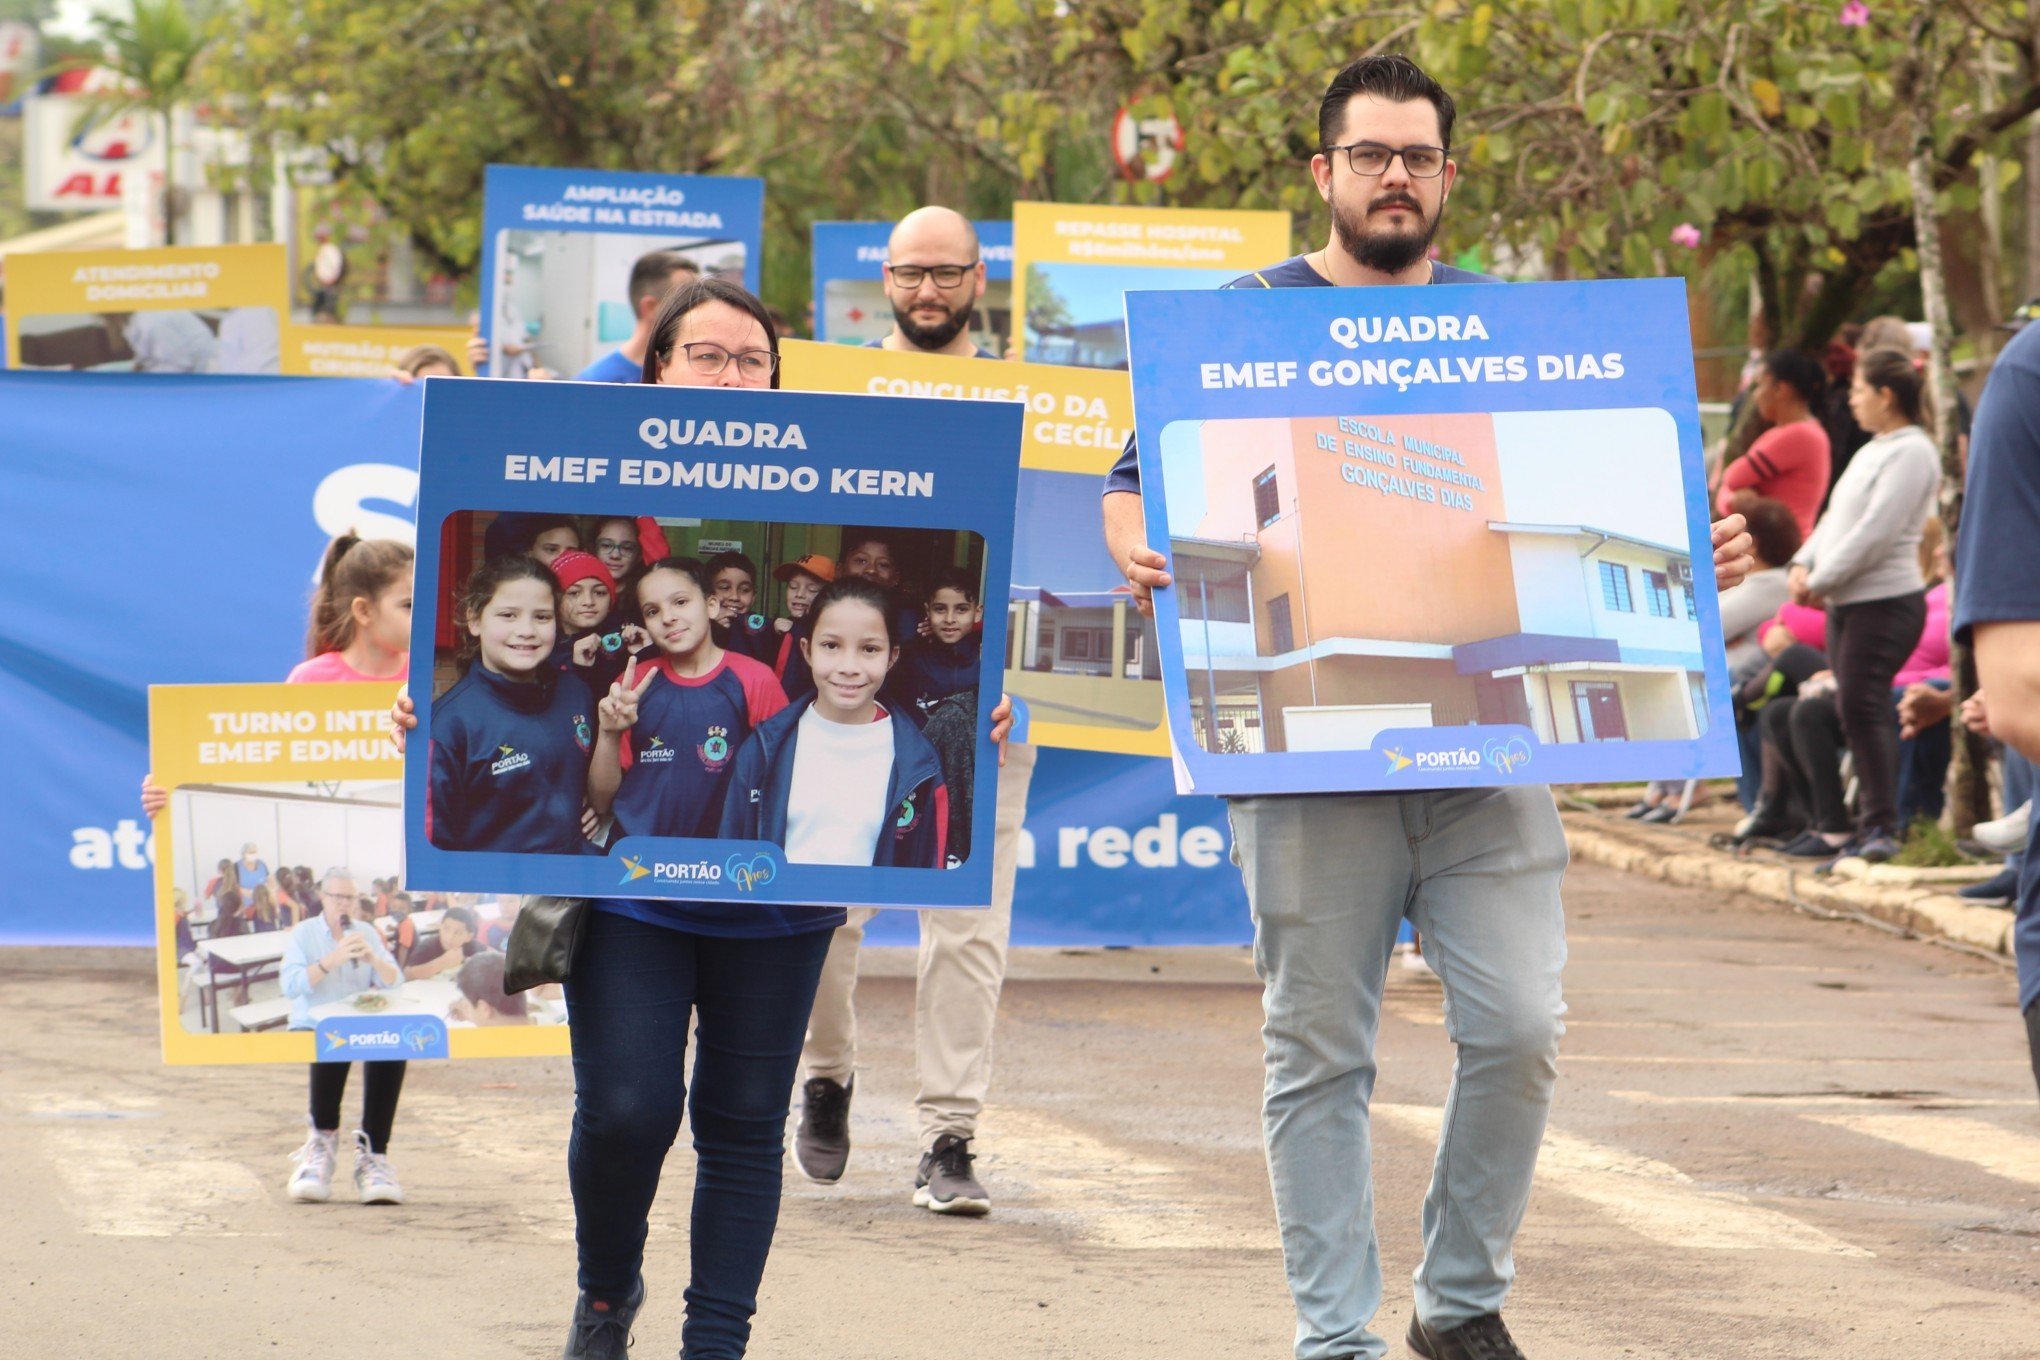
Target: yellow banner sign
364, 351
1072, 262
1080, 657
282, 841
182, 309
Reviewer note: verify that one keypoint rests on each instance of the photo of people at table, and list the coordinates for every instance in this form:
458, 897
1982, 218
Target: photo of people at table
598, 678
249, 909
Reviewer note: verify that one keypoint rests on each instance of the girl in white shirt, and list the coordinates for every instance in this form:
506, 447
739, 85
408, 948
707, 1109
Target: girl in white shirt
835, 778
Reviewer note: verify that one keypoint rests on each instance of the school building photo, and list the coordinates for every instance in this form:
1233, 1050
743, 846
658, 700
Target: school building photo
1079, 651
1342, 577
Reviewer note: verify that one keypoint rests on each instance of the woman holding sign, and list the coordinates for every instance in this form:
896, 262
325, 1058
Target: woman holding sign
742, 977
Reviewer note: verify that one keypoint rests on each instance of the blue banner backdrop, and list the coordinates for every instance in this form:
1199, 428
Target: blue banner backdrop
166, 529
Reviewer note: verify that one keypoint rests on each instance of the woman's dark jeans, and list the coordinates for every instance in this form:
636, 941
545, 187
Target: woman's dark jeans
635, 988
1868, 643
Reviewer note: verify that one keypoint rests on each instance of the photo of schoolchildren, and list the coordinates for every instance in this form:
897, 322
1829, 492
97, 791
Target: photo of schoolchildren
666, 732
511, 736
664, 646
234, 930
837, 778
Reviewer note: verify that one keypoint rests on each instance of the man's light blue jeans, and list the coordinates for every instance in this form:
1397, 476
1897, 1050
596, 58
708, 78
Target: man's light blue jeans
1330, 879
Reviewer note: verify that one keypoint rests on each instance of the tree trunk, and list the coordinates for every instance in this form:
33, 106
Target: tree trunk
169, 184
1990, 248
1965, 771
2032, 182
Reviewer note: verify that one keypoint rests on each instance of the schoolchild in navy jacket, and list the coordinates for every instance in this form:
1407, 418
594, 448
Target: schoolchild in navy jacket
915, 832
509, 763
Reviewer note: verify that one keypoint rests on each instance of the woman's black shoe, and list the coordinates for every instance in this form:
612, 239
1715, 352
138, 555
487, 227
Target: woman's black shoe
1765, 823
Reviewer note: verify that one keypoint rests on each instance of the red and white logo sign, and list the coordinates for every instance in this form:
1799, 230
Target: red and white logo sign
77, 153
1145, 148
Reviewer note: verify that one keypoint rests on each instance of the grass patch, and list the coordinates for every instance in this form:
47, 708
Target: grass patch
1929, 846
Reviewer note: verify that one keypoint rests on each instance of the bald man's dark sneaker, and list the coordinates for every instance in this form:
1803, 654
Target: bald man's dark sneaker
821, 1141
944, 1184
600, 1330
1481, 1338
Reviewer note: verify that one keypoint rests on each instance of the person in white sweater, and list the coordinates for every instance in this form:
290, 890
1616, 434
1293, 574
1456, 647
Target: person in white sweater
1862, 564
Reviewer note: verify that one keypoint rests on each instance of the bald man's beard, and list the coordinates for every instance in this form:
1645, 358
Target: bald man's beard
938, 335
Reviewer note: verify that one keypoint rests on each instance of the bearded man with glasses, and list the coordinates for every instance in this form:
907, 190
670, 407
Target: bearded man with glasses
934, 275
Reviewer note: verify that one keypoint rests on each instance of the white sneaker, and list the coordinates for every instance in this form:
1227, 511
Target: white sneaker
312, 1182
373, 1178
2007, 833
1413, 962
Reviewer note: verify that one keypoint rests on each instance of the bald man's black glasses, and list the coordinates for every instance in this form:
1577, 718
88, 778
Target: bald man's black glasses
946, 275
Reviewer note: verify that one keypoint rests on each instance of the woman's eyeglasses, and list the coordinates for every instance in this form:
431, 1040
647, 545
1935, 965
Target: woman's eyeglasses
710, 359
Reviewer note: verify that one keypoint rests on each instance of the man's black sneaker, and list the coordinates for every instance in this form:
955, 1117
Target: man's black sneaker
945, 1184
821, 1141
602, 1331
1481, 1338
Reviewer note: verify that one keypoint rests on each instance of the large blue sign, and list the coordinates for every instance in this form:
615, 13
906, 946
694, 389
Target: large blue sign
849, 295
806, 464
1437, 537
558, 247
166, 531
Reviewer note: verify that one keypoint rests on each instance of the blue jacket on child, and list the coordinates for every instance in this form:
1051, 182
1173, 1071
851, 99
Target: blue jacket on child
931, 671
761, 782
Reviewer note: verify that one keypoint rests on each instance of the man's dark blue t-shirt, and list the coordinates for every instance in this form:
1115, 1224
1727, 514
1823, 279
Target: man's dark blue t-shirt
613, 367
1997, 574
1295, 272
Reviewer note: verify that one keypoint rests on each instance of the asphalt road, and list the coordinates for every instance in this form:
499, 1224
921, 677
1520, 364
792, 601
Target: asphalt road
1774, 1137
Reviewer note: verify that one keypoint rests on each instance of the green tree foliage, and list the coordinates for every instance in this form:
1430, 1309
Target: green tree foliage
1589, 129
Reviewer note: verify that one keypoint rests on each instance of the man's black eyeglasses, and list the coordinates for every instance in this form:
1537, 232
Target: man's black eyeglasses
946, 275
1372, 158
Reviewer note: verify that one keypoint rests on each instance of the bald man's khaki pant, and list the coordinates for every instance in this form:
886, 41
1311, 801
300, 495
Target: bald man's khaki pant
956, 996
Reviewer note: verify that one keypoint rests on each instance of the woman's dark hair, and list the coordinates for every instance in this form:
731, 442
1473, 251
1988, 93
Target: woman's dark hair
723, 561
1799, 371
699, 293
1893, 370
1775, 530
354, 568
853, 588
1389, 76
229, 921
481, 979
686, 566
489, 578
